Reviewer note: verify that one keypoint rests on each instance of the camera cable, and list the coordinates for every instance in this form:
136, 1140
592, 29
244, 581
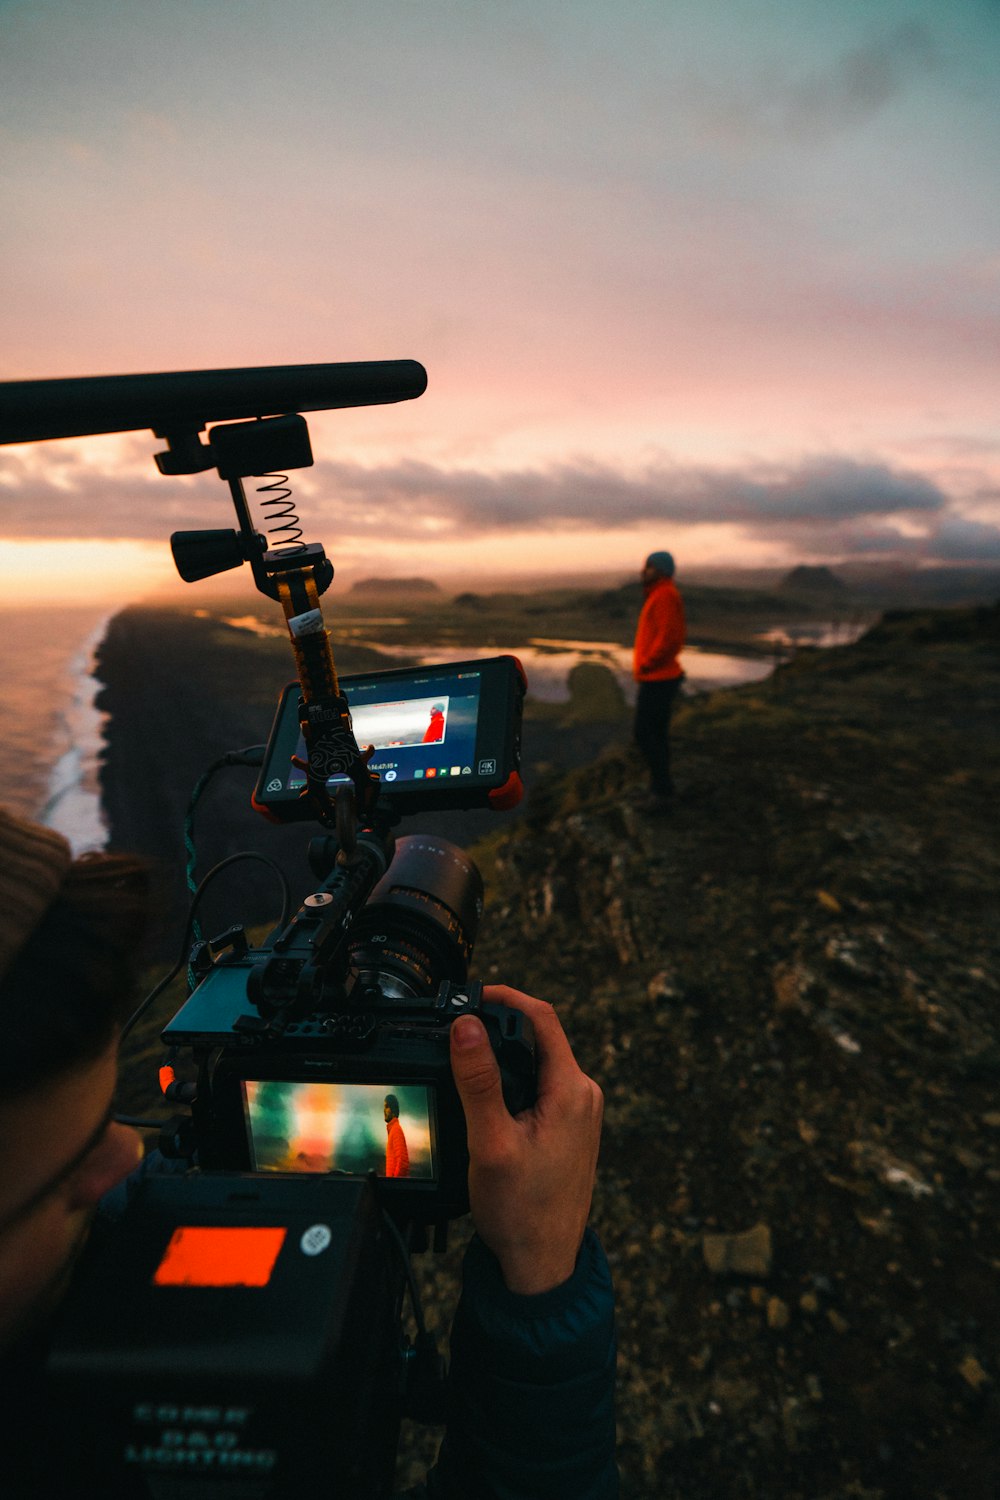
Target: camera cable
424, 1370
252, 755
231, 859
189, 929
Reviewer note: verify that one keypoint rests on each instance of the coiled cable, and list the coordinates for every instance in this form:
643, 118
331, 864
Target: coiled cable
280, 508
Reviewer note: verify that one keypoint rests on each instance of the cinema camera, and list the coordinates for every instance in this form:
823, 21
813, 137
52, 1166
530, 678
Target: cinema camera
240, 1332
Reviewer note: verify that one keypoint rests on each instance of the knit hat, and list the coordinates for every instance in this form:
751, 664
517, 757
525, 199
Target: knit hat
663, 562
33, 865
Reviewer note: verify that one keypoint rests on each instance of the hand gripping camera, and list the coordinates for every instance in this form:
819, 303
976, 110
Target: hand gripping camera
238, 1333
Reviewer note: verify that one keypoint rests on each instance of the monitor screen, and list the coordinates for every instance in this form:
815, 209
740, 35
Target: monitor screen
423, 729
304, 1125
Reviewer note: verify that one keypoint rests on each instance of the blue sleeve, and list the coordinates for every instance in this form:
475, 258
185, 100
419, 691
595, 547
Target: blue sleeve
531, 1387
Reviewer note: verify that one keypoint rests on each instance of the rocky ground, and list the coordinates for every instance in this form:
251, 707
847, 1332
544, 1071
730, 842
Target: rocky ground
788, 990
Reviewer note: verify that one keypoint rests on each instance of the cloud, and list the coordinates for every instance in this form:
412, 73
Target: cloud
952, 539
421, 501
958, 540
420, 497
817, 105
861, 83
62, 497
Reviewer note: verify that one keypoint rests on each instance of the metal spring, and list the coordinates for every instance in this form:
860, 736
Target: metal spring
280, 508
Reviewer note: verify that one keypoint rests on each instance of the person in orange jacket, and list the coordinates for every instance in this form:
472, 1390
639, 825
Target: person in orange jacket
435, 729
397, 1157
659, 639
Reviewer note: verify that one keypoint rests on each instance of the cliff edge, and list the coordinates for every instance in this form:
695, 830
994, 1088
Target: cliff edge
788, 990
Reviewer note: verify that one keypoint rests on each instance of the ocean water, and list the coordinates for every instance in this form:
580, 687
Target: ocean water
548, 662
50, 727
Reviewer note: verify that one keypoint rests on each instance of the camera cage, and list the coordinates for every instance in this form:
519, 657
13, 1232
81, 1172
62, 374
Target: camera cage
255, 426
287, 1030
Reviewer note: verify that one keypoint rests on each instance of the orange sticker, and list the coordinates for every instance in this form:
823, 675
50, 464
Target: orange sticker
198, 1256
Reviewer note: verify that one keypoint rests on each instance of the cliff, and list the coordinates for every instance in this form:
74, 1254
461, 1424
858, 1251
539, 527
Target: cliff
813, 580
788, 990
392, 588
180, 690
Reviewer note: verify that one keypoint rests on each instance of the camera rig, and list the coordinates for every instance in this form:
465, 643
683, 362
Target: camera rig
222, 1366
326, 994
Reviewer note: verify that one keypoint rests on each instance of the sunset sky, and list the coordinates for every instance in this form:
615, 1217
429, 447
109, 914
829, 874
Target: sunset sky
701, 274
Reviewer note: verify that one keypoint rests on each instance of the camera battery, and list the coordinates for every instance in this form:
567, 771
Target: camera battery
234, 1336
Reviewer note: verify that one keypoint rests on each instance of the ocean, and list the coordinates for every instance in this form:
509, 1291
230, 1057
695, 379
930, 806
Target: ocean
50, 727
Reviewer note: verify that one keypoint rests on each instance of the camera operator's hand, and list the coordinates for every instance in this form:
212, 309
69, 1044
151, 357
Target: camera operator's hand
531, 1176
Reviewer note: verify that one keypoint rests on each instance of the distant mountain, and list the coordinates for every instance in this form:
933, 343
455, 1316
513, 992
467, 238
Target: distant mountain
812, 580
394, 586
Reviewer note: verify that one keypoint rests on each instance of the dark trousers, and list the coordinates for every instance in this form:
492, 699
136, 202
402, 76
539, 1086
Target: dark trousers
653, 709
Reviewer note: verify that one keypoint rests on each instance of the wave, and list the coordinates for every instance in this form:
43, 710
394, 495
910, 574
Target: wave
73, 801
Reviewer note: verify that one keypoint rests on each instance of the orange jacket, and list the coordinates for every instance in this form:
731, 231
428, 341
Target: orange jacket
397, 1158
659, 635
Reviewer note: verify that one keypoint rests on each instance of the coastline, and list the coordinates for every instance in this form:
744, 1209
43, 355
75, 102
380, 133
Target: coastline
73, 805
50, 731
177, 697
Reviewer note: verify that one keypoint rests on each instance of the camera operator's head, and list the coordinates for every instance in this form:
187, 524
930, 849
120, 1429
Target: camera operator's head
68, 929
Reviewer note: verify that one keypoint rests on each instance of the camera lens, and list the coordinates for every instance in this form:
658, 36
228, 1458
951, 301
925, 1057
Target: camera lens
419, 924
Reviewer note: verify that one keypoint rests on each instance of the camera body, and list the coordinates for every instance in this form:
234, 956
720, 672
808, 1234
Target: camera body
314, 1099
326, 1049
234, 1336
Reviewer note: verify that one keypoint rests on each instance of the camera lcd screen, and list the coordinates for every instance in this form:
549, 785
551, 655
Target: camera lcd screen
424, 731
351, 1128
444, 735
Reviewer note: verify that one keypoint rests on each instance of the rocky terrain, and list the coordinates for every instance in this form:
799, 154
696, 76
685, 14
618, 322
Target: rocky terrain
788, 990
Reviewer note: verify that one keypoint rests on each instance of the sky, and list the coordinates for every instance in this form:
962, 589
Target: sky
707, 275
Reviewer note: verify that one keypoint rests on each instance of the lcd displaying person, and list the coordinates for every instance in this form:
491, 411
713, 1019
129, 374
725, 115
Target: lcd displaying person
530, 1406
435, 729
397, 1157
659, 639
